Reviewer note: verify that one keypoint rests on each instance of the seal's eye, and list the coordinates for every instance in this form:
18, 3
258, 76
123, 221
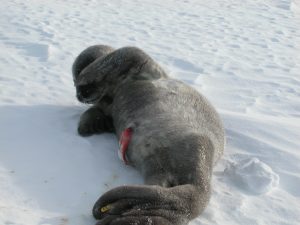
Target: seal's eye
86, 91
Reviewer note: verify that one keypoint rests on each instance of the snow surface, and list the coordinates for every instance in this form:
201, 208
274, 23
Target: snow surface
242, 54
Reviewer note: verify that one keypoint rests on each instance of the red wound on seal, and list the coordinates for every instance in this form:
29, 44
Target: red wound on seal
124, 142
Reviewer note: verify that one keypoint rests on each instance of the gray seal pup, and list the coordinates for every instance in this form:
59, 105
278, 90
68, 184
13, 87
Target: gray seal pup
173, 135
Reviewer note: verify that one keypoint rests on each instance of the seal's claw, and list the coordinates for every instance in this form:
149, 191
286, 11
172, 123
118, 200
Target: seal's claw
105, 208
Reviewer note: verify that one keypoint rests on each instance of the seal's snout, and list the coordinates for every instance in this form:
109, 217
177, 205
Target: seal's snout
79, 97
86, 93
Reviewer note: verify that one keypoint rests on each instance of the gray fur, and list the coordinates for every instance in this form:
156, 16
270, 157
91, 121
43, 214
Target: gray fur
177, 135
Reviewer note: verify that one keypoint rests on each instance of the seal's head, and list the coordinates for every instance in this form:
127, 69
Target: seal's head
90, 86
88, 80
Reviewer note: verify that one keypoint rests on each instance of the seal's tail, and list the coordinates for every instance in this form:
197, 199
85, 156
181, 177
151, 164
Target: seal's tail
151, 204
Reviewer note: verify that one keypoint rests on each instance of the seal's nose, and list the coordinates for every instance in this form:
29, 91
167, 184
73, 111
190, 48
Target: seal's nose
85, 91
79, 97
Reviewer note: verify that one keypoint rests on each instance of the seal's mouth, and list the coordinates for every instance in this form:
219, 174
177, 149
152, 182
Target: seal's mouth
88, 101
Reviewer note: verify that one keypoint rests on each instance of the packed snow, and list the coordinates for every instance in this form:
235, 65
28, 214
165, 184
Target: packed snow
244, 55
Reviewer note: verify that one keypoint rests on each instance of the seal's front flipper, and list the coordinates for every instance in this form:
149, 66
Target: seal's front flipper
94, 121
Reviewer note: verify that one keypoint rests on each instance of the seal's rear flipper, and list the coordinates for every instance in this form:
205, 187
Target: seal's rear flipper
138, 220
151, 204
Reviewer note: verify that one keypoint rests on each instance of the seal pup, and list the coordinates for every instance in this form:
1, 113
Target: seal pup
176, 136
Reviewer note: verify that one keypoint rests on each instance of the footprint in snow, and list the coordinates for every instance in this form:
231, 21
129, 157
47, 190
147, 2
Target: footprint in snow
252, 175
39, 51
186, 66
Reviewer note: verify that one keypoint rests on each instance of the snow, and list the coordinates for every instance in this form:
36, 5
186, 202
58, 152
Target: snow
243, 55
253, 175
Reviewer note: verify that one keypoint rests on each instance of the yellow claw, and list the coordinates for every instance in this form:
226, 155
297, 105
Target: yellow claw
105, 208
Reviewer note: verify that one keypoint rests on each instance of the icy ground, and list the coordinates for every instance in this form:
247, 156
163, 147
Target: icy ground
243, 55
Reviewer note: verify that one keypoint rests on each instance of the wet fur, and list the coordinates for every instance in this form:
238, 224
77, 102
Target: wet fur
177, 135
